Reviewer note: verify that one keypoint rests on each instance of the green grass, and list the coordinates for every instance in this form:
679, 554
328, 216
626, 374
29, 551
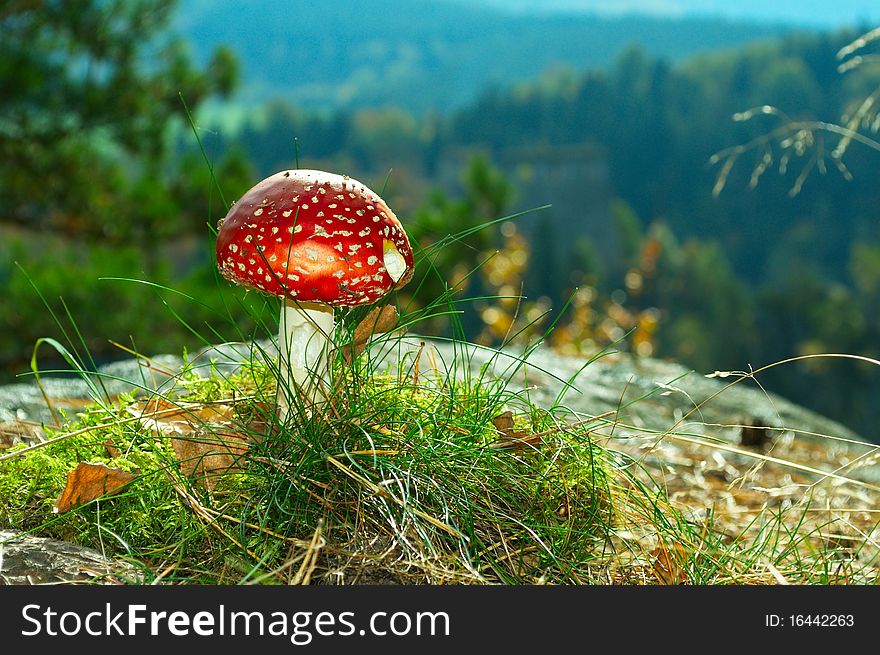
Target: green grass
393, 469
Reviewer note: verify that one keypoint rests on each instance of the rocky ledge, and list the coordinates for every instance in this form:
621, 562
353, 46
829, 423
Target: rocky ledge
652, 409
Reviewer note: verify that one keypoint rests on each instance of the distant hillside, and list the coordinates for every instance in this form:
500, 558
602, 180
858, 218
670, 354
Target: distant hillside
423, 54
817, 13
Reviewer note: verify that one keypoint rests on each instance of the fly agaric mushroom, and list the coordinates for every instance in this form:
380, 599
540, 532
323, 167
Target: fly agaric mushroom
318, 241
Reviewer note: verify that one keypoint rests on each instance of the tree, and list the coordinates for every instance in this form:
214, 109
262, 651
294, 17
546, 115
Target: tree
819, 143
454, 236
90, 87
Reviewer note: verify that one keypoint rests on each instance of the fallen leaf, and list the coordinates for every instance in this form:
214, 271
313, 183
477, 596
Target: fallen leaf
112, 451
668, 566
167, 418
503, 422
164, 410
16, 431
378, 320
87, 482
512, 439
204, 456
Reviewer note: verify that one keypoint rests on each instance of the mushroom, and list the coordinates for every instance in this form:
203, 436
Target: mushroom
316, 240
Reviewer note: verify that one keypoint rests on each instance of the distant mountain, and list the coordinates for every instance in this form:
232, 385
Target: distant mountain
424, 54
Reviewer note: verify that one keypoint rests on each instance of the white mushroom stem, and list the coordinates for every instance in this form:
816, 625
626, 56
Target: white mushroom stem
305, 332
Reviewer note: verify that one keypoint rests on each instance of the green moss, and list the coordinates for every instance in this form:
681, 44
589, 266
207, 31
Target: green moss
421, 465
148, 518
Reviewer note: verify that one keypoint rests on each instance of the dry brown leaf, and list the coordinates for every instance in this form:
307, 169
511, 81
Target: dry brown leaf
87, 482
167, 418
503, 422
17, 431
203, 456
112, 451
512, 439
166, 411
668, 566
378, 320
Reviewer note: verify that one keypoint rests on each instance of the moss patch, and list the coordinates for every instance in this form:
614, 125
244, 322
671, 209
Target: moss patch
389, 472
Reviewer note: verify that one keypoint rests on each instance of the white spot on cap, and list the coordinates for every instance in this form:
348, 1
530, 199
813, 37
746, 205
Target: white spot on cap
259, 212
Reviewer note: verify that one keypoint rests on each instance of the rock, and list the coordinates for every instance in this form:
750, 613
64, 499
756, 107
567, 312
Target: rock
647, 394
25, 559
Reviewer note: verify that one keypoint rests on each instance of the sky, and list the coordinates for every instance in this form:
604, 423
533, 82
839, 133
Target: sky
820, 13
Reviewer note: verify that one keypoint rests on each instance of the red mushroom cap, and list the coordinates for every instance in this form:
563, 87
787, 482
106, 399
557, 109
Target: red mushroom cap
314, 236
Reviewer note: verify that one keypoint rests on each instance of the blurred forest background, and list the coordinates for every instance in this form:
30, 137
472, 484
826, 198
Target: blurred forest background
462, 112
